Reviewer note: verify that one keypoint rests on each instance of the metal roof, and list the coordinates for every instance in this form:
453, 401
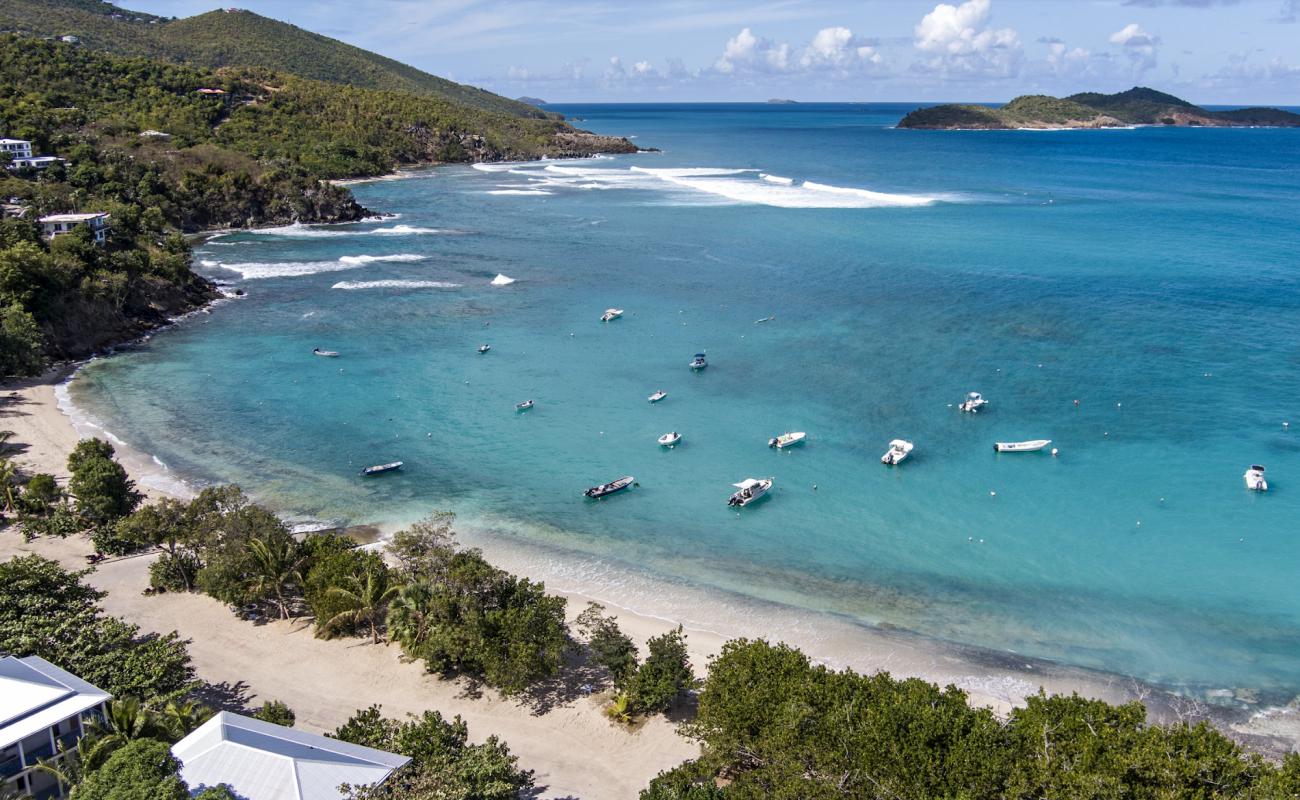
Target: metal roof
263, 761
35, 695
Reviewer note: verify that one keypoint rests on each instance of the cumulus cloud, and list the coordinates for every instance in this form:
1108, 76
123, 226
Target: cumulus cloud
835, 50
1138, 46
959, 41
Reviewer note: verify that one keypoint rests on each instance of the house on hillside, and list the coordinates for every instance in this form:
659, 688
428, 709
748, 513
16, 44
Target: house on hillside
36, 162
59, 224
18, 148
263, 761
153, 134
44, 711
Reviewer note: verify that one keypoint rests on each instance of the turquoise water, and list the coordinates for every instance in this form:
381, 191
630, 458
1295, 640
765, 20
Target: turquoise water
1150, 274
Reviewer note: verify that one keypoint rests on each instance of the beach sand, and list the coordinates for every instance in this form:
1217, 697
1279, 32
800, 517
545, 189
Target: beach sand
560, 733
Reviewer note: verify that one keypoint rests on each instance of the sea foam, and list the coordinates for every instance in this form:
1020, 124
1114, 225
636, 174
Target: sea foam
355, 285
256, 270
502, 280
300, 231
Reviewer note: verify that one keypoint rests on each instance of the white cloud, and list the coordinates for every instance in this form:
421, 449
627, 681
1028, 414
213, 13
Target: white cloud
960, 42
838, 49
746, 52
1139, 46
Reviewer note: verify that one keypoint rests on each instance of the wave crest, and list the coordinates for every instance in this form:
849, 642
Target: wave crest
394, 284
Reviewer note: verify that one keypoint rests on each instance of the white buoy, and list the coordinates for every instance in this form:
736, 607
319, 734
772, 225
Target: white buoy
993, 494
1055, 451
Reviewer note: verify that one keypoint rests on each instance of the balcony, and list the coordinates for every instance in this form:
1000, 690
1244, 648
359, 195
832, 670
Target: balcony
68, 741
10, 767
35, 754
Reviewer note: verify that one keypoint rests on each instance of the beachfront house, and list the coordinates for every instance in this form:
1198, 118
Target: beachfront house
18, 148
59, 224
44, 711
263, 761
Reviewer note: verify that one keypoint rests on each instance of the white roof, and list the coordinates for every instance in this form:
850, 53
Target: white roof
263, 761
35, 694
74, 217
14, 141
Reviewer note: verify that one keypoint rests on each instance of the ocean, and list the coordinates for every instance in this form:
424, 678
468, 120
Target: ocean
1129, 294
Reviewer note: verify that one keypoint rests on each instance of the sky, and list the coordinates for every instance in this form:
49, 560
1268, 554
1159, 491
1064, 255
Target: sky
1208, 51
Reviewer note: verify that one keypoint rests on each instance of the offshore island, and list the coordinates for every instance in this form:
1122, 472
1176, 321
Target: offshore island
1137, 106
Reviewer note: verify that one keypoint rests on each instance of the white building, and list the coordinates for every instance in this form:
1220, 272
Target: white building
18, 148
263, 761
59, 224
37, 162
43, 711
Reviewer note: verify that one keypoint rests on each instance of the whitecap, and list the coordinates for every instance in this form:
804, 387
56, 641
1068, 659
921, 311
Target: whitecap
299, 231
777, 179
207, 262
394, 284
256, 270
364, 259
502, 280
520, 192
500, 166
689, 172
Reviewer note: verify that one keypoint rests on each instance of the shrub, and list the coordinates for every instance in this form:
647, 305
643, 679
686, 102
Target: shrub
664, 676
610, 647
276, 712
174, 572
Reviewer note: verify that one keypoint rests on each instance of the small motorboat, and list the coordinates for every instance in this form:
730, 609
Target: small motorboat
1021, 447
1255, 478
787, 440
611, 314
619, 485
670, 439
316, 351
483, 348
751, 489
657, 396
973, 402
379, 469
524, 406
699, 362
899, 449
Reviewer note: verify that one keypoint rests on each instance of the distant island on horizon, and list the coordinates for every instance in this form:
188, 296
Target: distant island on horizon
1137, 106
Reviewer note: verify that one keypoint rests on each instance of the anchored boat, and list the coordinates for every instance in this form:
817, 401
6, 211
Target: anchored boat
699, 362
787, 440
751, 489
1021, 447
974, 402
483, 348
1255, 478
670, 439
325, 353
611, 314
899, 449
381, 468
619, 485
657, 396
524, 406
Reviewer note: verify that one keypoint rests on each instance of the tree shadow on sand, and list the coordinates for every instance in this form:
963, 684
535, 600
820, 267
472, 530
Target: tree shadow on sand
224, 696
578, 678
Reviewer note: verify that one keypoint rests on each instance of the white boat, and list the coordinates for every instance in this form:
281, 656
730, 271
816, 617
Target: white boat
899, 449
325, 353
1255, 478
611, 314
973, 402
597, 492
524, 406
1021, 447
787, 440
670, 439
699, 362
483, 348
657, 396
751, 489
381, 468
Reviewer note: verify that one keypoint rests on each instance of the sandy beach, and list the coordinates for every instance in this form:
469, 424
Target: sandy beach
554, 732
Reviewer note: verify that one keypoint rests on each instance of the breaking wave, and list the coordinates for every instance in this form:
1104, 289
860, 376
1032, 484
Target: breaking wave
502, 280
257, 270
354, 285
300, 231
525, 192
777, 179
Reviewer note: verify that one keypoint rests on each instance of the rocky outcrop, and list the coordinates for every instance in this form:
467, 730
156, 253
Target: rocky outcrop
580, 144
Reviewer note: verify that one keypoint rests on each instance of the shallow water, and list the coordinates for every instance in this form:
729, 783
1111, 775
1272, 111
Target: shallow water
1150, 274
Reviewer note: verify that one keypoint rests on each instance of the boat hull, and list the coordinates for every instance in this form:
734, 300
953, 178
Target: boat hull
613, 487
1021, 447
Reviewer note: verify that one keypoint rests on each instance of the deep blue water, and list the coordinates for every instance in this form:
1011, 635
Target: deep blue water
1150, 274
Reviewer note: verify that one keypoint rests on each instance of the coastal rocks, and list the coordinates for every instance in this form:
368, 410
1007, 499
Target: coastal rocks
580, 144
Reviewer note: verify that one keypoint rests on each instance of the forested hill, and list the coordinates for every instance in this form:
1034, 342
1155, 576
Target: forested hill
236, 37
1137, 106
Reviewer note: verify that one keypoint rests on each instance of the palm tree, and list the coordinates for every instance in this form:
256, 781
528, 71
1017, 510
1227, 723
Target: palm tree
8, 476
409, 615
366, 600
181, 717
277, 566
90, 754
129, 719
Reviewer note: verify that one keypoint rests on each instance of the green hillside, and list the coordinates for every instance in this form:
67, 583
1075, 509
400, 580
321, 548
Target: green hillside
239, 38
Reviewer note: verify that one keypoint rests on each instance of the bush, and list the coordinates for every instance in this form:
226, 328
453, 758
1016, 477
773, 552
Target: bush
610, 647
103, 491
40, 494
143, 769
276, 712
664, 676
174, 572
334, 561
107, 539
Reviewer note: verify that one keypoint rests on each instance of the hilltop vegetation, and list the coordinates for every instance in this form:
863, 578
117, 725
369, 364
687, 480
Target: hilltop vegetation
240, 38
1137, 106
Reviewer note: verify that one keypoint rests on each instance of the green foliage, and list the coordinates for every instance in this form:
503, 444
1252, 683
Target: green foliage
364, 600
276, 712
444, 766
141, 770
47, 611
424, 550
40, 494
609, 646
774, 725
334, 561
664, 676
22, 347
103, 491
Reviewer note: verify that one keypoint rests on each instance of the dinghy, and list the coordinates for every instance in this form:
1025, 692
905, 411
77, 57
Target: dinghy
325, 353
381, 468
787, 440
899, 449
611, 314
657, 396
1255, 478
751, 489
619, 485
670, 439
483, 348
524, 406
1021, 447
973, 402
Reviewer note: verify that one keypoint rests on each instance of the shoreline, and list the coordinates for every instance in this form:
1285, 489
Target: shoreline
48, 425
